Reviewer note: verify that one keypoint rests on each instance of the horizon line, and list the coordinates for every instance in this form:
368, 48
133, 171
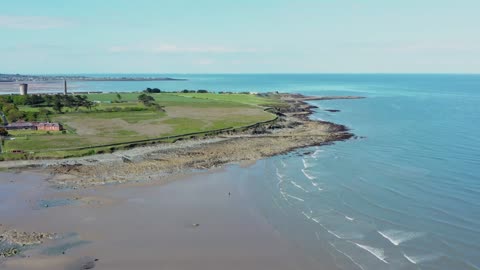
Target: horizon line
248, 73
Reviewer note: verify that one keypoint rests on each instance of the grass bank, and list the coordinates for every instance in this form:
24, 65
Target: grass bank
121, 121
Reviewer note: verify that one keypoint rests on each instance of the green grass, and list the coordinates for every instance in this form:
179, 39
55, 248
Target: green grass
129, 117
195, 99
96, 128
237, 98
20, 133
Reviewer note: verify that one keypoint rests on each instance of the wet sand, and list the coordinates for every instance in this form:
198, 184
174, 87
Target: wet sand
188, 224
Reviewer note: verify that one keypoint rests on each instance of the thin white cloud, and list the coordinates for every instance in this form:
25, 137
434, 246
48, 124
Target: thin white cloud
168, 48
204, 62
32, 22
437, 47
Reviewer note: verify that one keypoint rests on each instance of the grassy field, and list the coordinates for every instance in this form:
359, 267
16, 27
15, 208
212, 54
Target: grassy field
200, 98
183, 113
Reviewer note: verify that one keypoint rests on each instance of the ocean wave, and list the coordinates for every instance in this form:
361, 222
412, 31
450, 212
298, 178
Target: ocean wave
397, 237
298, 186
346, 217
348, 256
342, 236
334, 234
279, 175
306, 165
284, 165
307, 215
308, 175
316, 153
295, 198
283, 193
421, 258
349, 218
377, 252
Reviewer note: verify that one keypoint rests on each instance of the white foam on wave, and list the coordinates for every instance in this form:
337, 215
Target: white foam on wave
397, 237
284, 165
308, 175
351, 235
420, 259
279, 175
295, 198
318, 236
349, 218
283, 193
316, 153
305, 164
298, 186
280, 178
307, 215
377, 252
334, 234
348, 256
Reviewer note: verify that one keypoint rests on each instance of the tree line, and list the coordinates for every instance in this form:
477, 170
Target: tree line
9, 105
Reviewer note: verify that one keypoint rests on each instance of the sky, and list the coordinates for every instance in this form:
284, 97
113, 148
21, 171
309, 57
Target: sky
231, 36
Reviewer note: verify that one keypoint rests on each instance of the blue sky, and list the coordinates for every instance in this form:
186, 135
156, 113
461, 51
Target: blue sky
261, 36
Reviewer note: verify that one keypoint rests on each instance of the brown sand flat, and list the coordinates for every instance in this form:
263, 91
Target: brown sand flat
153, 227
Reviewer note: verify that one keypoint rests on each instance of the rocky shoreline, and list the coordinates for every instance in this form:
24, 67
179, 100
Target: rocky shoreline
293, 129
12, 242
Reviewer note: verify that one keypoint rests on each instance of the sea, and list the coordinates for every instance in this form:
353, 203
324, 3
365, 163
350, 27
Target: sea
405, 194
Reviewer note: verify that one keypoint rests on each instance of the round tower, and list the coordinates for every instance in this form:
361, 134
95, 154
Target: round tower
23, 89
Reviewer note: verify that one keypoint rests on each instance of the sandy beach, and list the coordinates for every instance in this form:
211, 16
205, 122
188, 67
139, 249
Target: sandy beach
192, 223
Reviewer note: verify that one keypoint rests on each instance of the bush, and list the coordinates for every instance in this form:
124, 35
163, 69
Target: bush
150, 90
3, 132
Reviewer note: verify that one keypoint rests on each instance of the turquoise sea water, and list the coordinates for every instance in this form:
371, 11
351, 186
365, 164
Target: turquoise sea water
407, 196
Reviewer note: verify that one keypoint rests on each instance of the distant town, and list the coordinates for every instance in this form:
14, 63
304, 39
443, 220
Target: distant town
44, 78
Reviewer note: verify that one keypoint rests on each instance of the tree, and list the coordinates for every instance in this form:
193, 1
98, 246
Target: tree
49, 100
86, 103
3, 132
14, 115
150, 90
19, 100
146, 100
34, 100
43, 114
57, 105
69, 101
119, 97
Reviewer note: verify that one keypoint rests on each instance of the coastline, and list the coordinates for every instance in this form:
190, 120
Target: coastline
82, 195
294, 129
